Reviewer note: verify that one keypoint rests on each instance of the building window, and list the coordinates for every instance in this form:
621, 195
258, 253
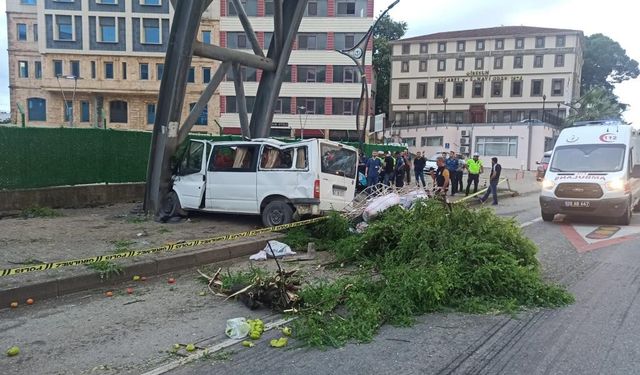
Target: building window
560, 41
75, 68
406, 49
497, 146
344, 106
203, 117
497, 62
460, 46
159, 71
150, 2
151, 113
93, 70
108, 70
311, 73
144, 71
124, 70
458, 89
506, 116
206, 37
442, 65
559, 61
64, 27
442, 47
151, 28
496, 89
206, 75
439, 90
424, 47
557, 87
23, 69
431, 141
68, 110
37, 69
404, 91
84, 111
536, 87
250, 7
313, 106
191, 77
118, 112
237, 40
28, 2
35, 32
540, 42
421, 90
479, 63
37, 109
248, 74
105, 2
499, 44
312, 9
57, 68
516, 88
459, 64
22, 31
479, 45
349, 8
422, 65
108, 30
519, 43
478, 89
404, 67
517, 62
410, 142
538, 61
345, 74
312, 41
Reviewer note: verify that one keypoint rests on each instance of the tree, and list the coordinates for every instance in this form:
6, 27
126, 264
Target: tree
386, 31
605, 63
597, 104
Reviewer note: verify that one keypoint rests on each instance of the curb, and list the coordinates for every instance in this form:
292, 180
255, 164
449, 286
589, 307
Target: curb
148, 267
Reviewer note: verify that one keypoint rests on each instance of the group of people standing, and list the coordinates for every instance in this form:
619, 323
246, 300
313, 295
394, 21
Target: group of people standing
395, 169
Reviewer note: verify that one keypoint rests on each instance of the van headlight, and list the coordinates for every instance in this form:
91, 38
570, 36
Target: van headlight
547, 184
616, 185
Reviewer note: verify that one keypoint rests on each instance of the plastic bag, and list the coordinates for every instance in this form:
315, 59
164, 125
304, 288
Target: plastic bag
237, 328
279, 249
380, 204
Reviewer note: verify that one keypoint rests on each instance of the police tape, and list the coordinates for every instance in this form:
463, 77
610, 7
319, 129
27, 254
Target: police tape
479, 192
168, 247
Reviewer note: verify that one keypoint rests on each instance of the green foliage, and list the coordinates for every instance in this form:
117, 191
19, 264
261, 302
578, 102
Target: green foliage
105, 269
36, 211
122, 245
237, 278
386, 31
137, 219
605, 63
597, 104
430, 258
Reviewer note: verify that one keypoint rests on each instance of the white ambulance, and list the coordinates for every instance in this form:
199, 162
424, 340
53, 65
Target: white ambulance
280, 181
594, 171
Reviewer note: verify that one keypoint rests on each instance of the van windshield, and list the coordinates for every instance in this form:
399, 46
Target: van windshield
588, 158
338, 160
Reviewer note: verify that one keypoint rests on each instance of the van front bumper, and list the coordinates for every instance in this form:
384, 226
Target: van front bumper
609, 207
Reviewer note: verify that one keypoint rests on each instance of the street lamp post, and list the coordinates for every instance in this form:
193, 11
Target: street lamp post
408, 109
444, 115
544, 100
300, 109
68, 109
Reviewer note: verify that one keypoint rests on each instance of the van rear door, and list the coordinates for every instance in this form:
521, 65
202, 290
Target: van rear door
338, 167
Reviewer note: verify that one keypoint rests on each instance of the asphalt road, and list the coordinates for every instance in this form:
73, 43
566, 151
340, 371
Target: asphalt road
90, 334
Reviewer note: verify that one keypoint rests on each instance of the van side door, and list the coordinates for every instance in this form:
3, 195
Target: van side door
231, 178
189, 181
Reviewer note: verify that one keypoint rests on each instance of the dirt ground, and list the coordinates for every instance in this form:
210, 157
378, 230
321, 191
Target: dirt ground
87, 232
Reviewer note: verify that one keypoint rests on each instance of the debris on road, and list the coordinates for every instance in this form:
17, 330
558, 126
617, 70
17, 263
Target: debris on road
279, 343
13, 351
237, 328
274, 249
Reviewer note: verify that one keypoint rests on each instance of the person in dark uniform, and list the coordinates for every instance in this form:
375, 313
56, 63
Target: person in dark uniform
496, 169
441, 176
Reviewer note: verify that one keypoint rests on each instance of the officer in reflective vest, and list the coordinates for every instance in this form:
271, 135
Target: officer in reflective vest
474, 167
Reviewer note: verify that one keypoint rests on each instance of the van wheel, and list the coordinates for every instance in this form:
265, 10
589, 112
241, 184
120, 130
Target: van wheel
276, 213
625, 219
547, 217
171, 206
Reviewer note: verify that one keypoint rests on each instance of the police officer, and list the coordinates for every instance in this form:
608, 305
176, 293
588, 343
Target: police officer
474, 167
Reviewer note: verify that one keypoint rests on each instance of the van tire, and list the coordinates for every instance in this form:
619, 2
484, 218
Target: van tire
625, 219
276, 213
547, 217
171, 206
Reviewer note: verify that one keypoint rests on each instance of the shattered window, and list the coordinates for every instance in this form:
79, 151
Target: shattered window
338, 160
275, 158
301, 158
231, 158
192, 161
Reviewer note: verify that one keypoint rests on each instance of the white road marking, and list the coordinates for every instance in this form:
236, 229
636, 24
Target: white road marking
527, 223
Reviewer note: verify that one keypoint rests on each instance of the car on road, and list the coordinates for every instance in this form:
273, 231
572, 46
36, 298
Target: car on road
431, 164
543, 164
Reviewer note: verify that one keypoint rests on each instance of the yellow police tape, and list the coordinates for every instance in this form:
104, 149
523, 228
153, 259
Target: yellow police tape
479, 192
153, 250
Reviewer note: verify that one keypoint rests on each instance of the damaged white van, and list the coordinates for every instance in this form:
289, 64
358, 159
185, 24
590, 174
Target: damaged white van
594, 171
280, 181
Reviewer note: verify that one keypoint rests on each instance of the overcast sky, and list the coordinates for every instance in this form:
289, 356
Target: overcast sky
612, 18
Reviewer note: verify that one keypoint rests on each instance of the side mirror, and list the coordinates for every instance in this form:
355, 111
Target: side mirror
635, 172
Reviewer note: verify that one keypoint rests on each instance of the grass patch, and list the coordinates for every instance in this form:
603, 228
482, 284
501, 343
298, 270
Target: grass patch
122, 246
35, 211
164, 230
137, 219
105, 269
430, 258
236, 278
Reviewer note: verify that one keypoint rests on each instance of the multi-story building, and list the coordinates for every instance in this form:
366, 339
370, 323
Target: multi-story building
97, 62
497, 91
112, 52
319, 95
